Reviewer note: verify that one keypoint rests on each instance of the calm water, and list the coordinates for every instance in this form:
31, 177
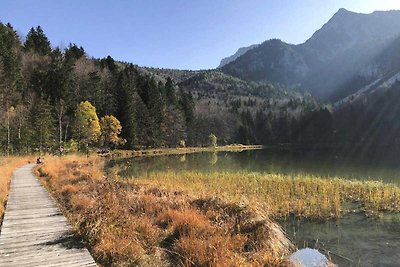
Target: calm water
266, 161
354, 240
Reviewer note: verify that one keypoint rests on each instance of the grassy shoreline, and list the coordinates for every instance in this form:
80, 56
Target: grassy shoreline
184, 150
196, 219
127, 223
280, 196
191, 218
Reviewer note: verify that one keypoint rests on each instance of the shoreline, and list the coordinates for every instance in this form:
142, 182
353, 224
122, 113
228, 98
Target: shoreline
132, 223
179, 151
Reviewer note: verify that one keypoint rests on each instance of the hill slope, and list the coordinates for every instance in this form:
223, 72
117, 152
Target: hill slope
238, 53
330, 58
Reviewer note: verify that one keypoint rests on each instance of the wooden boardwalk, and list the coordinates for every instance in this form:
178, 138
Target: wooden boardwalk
34, 231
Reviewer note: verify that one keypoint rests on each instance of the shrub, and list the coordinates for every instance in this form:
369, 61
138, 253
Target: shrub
213, 140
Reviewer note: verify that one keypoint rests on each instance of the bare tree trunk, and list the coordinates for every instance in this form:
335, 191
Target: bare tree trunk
60, 129
60, 115
40, 142
8, 130
8, 135
66, 131
19, 129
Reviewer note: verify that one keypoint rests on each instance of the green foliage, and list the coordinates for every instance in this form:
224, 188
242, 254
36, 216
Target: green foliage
71, 146
58, 93
182, 143
37, 42
212, 140
126, 110
43, 125
170, 91
73, 52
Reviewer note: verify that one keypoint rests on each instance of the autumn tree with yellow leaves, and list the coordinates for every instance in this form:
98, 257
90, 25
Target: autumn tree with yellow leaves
87, 125
110, 130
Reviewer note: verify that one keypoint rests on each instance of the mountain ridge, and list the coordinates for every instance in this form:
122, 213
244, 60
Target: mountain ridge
241, 51
332, 56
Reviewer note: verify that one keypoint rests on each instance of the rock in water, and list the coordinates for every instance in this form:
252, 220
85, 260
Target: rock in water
308, 257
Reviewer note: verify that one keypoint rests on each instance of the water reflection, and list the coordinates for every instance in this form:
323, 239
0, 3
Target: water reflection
213, 158
318, 163
354, 240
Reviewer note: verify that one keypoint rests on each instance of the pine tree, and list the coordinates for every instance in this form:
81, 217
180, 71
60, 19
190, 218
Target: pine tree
10, 81
43, 124
37, 42
156, 109
186, 105
73, 52
126, 112
170, 91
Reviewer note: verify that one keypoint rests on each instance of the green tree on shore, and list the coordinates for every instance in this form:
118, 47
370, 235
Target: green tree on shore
213, 140
43, 125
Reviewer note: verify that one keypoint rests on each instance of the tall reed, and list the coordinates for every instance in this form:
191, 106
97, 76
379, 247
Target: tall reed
281, 195
130, 223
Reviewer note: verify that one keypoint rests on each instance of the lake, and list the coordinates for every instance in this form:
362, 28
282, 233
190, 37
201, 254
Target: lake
353, 240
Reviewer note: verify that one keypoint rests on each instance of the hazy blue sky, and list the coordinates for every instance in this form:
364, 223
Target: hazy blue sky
184, 34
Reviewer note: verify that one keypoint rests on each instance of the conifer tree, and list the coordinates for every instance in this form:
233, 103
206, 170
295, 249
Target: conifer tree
43, 124
170, 92
126, 112
73, 52
155, 108
10, 81
37, 42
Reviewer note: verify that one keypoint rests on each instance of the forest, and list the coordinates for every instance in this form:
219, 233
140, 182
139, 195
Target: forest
60, 99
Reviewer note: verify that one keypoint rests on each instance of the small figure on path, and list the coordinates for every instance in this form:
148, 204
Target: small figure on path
39, 160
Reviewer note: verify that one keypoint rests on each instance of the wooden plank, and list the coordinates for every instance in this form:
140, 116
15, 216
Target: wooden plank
34, 231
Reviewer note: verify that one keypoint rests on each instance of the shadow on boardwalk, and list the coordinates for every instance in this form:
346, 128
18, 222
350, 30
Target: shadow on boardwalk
34, 231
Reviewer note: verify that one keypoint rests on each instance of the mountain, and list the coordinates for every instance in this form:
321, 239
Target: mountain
332, 57
273, 60
239, 52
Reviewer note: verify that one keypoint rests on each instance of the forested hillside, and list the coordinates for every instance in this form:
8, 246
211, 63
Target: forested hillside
54, 98
41, 89
369, 125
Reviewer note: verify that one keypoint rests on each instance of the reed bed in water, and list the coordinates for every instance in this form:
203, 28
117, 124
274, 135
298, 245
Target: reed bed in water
283, 195
7, 167
131, 223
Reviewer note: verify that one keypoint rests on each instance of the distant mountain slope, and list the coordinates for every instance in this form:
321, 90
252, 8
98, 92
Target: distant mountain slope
334, 55
238, 53
273, 60
379, 75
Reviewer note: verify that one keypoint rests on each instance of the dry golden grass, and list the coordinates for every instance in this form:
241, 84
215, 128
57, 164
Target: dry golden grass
125, 223
282, 195
7, 167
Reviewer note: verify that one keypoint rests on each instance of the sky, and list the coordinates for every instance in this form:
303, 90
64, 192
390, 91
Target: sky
179, 34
